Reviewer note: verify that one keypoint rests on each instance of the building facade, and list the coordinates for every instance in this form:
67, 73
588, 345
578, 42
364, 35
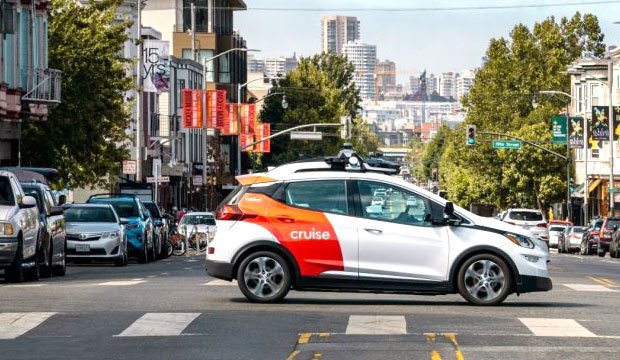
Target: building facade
464, 82
385, 77
336, 31
364, 58
447, 85
29, 89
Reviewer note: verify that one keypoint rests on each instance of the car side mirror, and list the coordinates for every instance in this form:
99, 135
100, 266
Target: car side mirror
448, 215
62, 199
57, 210
28, 202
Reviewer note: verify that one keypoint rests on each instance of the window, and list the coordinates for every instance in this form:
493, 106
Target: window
89, 214
201, 55
325, 195
6, 193
594, 154
395, 205
526, 215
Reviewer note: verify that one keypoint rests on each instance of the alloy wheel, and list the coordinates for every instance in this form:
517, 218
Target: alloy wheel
264, 276
484, 280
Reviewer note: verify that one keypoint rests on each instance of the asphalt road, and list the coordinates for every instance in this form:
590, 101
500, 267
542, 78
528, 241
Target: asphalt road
171, 309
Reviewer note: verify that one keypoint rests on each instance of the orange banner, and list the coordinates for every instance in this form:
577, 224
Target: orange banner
220, 109
230, 120
245, 140
262, 131
192, 108
248, 118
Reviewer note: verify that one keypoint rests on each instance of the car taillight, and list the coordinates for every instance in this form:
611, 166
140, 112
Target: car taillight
232, 212
542, 225
511, 223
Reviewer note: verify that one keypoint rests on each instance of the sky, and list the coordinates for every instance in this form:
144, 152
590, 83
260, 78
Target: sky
435, 40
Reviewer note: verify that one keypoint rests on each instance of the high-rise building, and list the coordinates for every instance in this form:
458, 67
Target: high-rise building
255, 65
336, 31
432, 84
364, 58
386, 76
415, 82
280, 66
464, 82
447, 85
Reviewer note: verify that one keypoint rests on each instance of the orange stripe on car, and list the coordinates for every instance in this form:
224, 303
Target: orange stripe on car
250, 179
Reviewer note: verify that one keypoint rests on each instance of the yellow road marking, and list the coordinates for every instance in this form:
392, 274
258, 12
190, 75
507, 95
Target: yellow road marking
459, 355
293, 355
430, 336
304, 338
317, 356
452, 338
602, 281
324, 335
435, 355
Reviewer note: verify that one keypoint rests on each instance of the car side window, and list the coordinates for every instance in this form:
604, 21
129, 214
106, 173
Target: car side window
19, 194
50, 198
396, 204
323, 195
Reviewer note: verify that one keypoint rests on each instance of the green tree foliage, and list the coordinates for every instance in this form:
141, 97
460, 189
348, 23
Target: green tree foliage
82, 134
430, 156
501, 100
319, 90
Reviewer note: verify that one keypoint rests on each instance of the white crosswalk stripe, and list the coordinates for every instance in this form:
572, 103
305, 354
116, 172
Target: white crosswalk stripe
556, 327
589, 288
221, 283
160, 324
122, 282
376, 325
13, 325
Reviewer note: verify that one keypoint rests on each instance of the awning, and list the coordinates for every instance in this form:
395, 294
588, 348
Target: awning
593, 185
579, 191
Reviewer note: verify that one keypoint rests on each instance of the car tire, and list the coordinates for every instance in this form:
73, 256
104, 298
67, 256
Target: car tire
34, 273
583, 248
612, 250
264, 277
560, 248
168, 249
143, 257
153, 254
123, 260
46, 269
15, 273
61, 270
600, 253
481, 273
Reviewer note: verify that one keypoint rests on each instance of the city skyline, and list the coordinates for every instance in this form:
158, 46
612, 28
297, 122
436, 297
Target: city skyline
415, 46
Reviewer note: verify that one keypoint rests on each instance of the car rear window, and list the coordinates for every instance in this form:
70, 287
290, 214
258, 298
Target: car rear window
198, 220
556, 228
580, 230
525, 216
124, 209
611, 223
153, 209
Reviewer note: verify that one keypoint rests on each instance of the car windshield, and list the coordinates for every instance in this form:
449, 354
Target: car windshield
89, 214
597, 225
525, 215
611, 223
6, 193
198, 220
152, 208
125, 209
556, 228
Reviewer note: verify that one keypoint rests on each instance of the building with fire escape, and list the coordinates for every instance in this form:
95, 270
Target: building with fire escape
29, 89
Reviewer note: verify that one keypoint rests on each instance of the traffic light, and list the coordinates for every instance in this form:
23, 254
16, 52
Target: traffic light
471, 134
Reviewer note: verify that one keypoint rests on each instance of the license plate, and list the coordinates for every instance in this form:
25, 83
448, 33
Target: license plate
82, 247
526, 227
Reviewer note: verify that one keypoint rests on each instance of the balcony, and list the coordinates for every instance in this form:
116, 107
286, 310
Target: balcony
42, 86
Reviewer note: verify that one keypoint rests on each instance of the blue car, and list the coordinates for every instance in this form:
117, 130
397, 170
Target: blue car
139, 224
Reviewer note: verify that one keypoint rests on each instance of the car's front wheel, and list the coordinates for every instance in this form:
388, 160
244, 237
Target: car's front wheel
264, 277
484, 279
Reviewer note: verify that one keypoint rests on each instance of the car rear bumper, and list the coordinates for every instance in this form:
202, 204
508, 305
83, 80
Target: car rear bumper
534, 283
8, 248
219, 269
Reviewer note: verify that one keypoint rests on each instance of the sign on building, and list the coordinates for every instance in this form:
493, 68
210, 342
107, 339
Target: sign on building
558, 129
129, 167
156, 66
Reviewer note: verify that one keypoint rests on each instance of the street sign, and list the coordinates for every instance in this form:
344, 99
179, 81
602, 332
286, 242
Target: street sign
156, 167
197, 180
161, 179
613, 190
506, 144
306, 135
129, 167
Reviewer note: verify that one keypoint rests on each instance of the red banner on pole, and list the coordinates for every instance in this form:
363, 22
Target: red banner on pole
192, 108
220, 109
248, 118
211, 108
230, 120
245, 140
266, 133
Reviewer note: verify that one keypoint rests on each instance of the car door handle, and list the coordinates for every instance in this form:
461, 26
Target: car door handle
374, 231
285, 219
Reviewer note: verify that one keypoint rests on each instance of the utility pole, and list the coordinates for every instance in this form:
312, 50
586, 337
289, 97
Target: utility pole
139, 97
611, 187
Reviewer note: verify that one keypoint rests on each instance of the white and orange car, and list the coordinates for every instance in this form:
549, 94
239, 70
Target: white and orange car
312, 226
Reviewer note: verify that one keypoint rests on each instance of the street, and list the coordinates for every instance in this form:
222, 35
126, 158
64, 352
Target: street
172, 309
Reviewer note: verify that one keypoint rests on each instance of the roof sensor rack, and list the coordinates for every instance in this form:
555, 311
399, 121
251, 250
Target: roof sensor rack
348, 160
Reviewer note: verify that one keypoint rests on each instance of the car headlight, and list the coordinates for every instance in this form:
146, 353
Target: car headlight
113, 234
7, 229
520, 240
132, 226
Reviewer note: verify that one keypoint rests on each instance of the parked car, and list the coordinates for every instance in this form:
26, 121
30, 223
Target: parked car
20, 246
572, 238
528, 219
589, 243
610, 225
198, 222
379, 201
556, 231
53, 234
160, 226
95, 232
614, 245
139, 224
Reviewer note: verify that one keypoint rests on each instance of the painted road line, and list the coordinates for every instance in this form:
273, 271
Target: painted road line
13, 325
590, 288
24, 285
603, 281
293, 355
159, 324
122, 282
221, 283
556, 327
451, 337
376, 325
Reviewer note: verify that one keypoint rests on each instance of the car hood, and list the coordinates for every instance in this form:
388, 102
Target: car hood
500, 225
78, 227
7, 212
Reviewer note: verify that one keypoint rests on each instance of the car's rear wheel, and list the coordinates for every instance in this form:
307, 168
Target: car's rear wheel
34, 273
46, 268
61, 269
484, 279
143, 257
583, 249
560, 247
613, 250
153, 249
264, 277
123, 260
15, 273
600, 252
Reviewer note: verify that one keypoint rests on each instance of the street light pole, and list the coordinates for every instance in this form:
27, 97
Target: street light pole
610, 76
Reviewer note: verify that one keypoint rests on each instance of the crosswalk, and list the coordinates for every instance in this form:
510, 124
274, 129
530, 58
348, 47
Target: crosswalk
24, 324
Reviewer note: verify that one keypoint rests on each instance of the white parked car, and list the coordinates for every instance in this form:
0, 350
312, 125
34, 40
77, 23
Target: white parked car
307, 226
555, 233
198, 223
528, 219
379, 201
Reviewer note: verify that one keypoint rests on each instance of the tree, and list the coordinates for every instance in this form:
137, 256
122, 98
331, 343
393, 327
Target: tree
82, 134
500, 100
319, 90
429, 158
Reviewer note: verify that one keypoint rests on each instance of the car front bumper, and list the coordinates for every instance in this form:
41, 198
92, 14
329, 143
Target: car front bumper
219, 269
530, 283
8, 248
108, 248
